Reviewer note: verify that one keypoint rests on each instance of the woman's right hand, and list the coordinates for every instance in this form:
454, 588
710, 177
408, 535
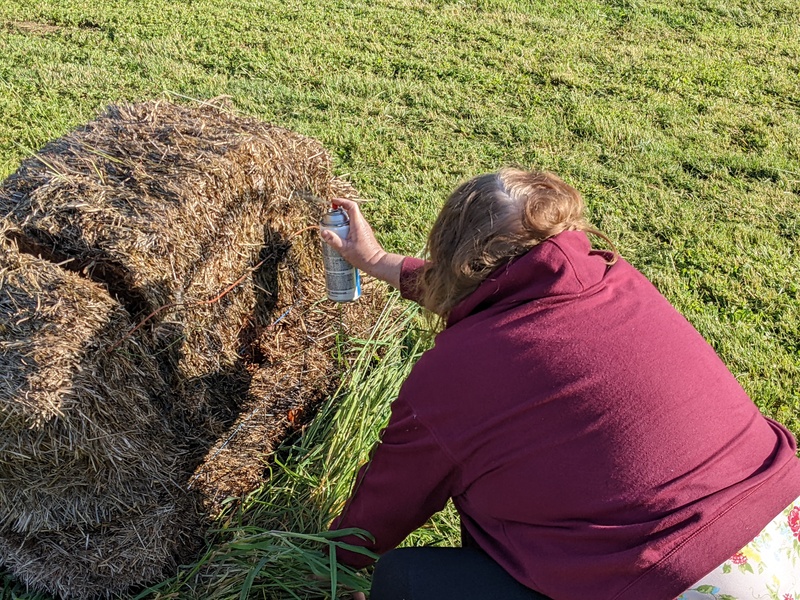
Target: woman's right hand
361, 249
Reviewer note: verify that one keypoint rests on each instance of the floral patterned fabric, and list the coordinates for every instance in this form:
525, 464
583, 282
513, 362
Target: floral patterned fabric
768, 568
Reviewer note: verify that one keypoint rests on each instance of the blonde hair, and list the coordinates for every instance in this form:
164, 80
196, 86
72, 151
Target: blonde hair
489, 220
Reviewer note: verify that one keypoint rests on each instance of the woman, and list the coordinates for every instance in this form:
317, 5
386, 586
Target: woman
593, 443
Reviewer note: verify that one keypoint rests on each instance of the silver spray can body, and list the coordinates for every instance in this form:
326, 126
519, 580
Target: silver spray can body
342, 280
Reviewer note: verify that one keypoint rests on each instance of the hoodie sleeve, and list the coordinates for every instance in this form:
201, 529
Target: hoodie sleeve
410, 271
408, 479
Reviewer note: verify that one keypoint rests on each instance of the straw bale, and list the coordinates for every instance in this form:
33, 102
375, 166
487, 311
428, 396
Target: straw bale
167, 205
142, 193
51, 322
165, 327
80, 430
294, 371
104, 560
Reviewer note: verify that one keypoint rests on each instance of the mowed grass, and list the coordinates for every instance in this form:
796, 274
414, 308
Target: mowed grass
679, 121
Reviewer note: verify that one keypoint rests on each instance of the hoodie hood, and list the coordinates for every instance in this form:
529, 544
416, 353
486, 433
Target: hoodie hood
561, 265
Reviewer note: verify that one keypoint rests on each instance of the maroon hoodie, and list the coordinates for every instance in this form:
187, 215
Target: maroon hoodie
592, 441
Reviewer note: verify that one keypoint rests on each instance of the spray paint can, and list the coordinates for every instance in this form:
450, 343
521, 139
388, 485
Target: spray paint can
342, 280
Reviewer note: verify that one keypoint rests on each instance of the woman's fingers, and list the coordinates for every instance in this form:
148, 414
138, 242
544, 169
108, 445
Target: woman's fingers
360, 246
358, 223
350, 207
333, 240
345, 203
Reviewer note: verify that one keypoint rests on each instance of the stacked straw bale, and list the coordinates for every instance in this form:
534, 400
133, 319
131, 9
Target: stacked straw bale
163, 324
88, 471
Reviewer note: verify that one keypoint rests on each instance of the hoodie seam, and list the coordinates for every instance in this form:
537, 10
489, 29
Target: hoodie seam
443, 447
571, 264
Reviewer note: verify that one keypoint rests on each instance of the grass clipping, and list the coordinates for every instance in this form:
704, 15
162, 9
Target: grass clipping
163, 325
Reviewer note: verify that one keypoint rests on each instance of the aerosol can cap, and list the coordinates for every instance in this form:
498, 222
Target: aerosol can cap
335, 217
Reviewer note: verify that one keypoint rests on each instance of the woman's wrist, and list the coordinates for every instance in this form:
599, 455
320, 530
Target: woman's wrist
385, 266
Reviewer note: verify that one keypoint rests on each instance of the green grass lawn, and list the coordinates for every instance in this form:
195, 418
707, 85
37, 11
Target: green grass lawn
679, 121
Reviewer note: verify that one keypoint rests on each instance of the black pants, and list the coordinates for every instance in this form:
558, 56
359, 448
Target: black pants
444, 574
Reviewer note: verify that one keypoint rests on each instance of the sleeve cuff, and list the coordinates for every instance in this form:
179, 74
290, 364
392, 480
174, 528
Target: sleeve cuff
410, 271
